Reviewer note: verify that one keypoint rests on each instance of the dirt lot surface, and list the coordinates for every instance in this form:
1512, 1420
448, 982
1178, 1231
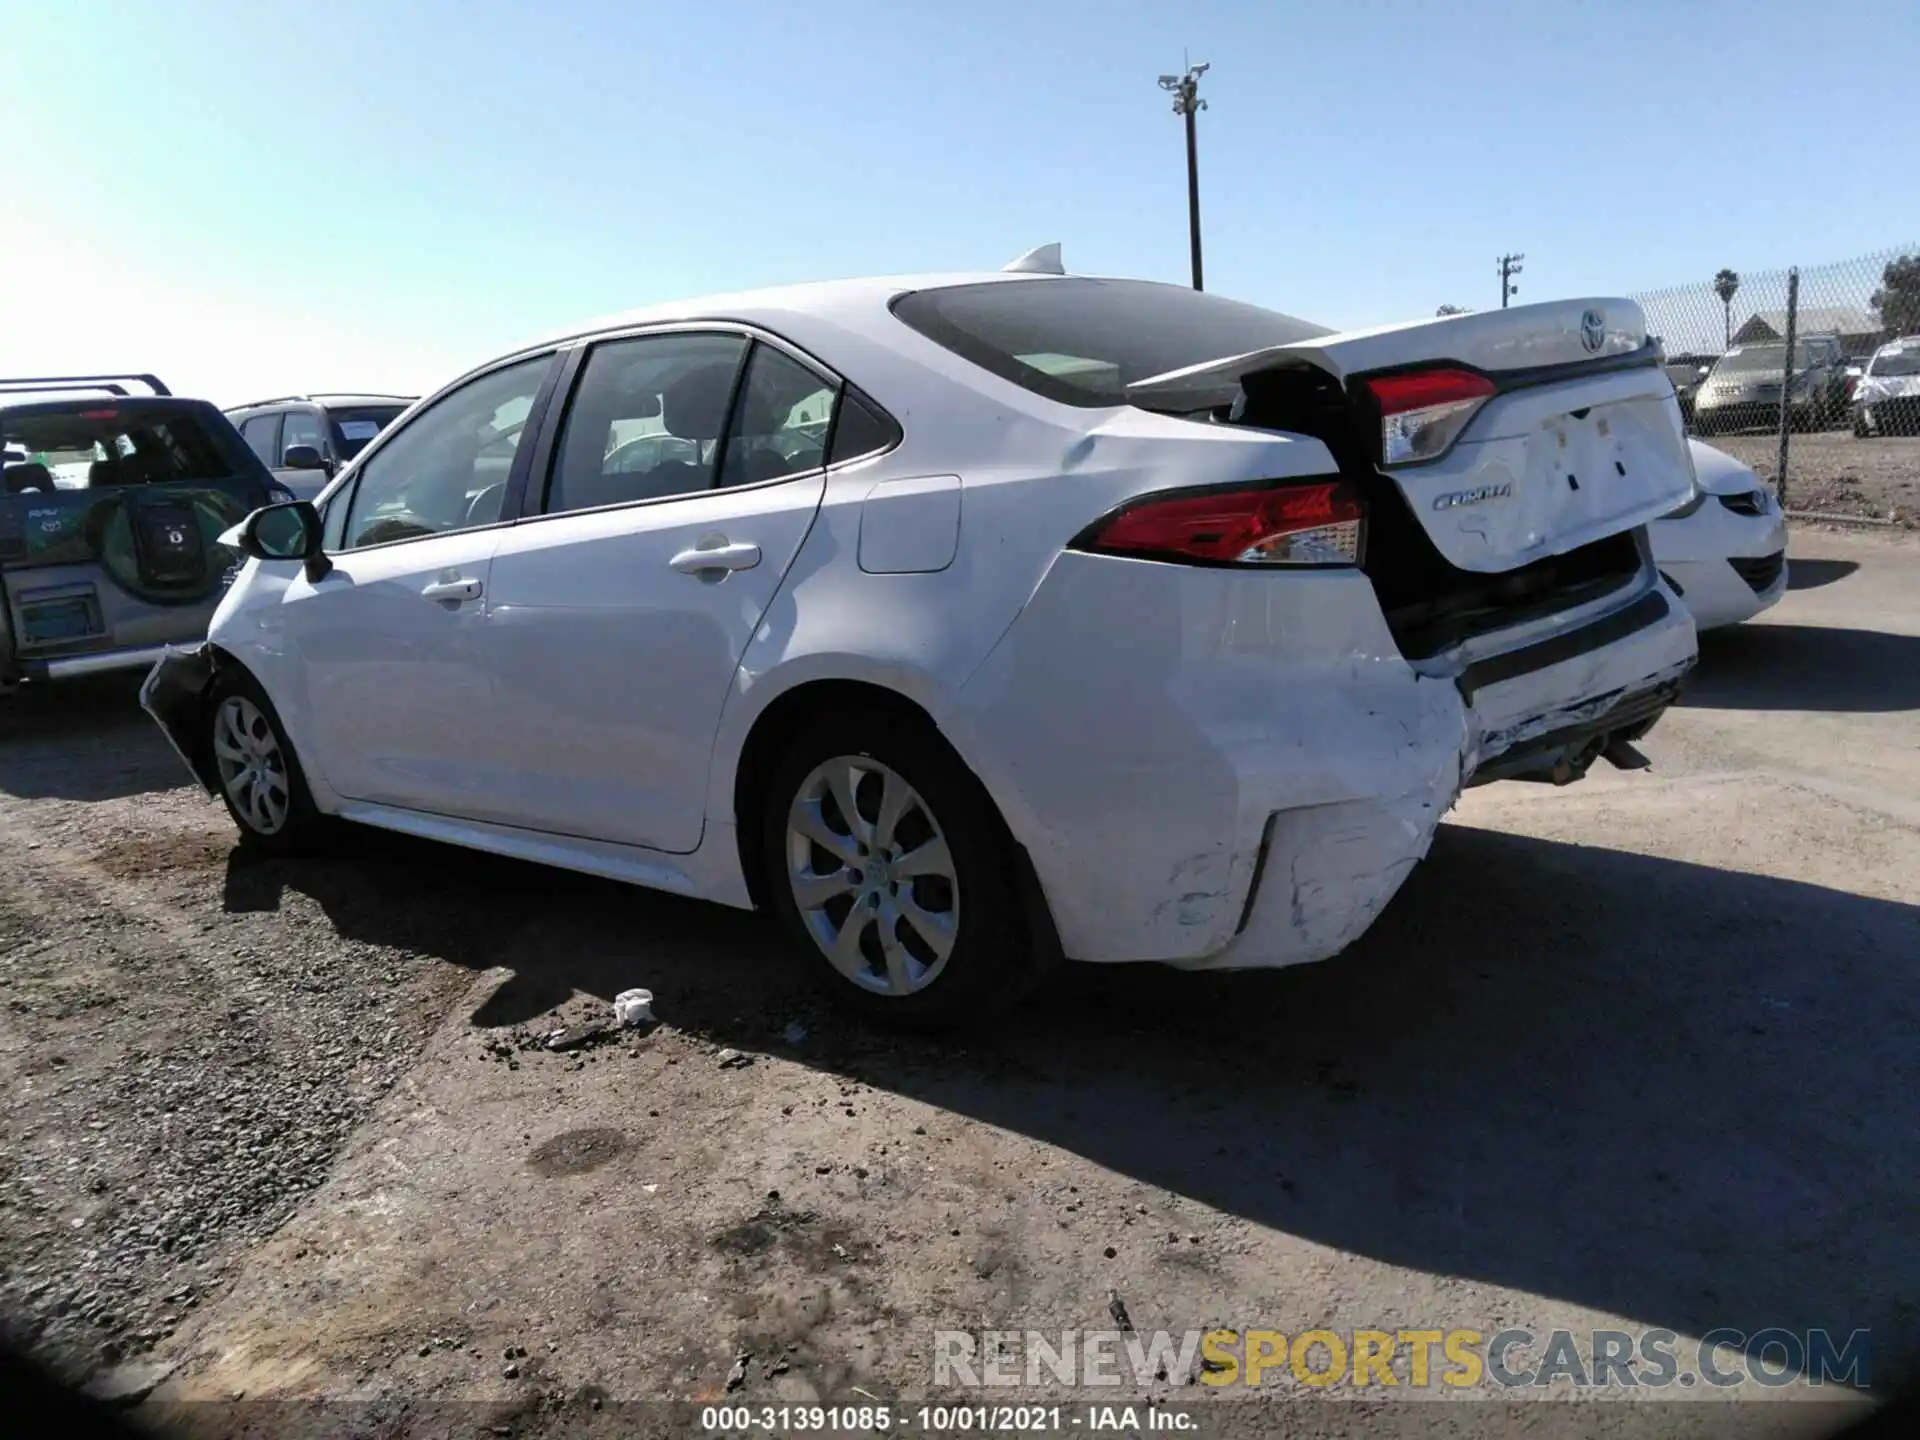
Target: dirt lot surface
1637, 1053
1835, 472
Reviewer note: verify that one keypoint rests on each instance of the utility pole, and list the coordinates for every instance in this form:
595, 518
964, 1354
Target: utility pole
1509, 267
1186, 101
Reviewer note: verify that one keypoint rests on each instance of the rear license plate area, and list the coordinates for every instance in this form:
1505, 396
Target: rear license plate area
57, 617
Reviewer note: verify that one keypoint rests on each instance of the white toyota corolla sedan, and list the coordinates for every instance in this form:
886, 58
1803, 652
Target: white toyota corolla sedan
967, 621
1724, 552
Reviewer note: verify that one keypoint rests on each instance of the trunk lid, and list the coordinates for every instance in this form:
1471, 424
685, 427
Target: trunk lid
1581, 438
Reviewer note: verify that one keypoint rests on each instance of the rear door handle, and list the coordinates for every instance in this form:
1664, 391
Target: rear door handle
716, 556
452, 590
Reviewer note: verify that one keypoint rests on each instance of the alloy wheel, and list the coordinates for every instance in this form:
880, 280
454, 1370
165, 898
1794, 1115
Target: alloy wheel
872, 876
253, 771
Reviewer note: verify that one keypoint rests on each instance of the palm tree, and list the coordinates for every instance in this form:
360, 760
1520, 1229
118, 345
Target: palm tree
1726, 284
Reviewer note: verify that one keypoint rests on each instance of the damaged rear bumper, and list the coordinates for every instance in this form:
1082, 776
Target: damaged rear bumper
175, 695
1243, 770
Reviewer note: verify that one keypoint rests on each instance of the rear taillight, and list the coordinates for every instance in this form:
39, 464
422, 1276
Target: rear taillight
1320, 523
1423, 413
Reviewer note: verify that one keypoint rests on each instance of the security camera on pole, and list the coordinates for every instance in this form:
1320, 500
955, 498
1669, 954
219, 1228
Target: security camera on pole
1186, 101
1509, 267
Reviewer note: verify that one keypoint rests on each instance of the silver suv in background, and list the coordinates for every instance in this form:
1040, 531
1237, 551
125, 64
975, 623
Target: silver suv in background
305, 439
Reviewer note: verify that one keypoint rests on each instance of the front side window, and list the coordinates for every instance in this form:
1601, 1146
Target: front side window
1082, 342
302, 428
448, 469
646, 420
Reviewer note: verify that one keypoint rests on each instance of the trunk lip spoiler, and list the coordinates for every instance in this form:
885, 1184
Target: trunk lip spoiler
1213, 383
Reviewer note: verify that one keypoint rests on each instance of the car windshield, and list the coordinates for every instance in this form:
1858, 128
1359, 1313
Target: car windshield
1904, 361
1761, 359
355, 425
105, 446
1083, 342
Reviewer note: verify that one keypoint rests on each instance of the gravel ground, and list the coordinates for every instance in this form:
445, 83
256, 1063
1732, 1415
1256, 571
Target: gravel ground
1636, 1053
1835, 472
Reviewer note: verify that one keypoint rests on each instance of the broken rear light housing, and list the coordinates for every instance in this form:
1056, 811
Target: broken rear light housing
1423, 412
1271, 524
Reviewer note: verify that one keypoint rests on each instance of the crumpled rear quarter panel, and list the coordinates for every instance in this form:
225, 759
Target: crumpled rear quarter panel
1150, 719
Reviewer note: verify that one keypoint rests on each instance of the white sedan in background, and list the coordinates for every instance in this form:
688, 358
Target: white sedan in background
968, 620
1725, 551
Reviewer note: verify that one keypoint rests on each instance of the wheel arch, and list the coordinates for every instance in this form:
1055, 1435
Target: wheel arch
804, 703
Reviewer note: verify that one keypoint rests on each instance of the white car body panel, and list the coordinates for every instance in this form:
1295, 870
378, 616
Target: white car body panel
624, 747
1155, 736
1693, 550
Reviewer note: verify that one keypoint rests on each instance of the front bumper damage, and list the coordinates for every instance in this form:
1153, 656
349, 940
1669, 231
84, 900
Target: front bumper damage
175, 695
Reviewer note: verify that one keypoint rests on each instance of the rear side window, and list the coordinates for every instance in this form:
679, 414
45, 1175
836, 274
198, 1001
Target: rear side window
1082, 342
860, 428
646, 420
780, 425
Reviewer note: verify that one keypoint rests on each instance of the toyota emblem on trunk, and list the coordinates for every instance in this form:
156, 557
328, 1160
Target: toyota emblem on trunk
1593, 331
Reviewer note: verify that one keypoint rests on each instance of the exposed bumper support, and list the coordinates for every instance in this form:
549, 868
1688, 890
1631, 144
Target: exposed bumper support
175, 695
72, 667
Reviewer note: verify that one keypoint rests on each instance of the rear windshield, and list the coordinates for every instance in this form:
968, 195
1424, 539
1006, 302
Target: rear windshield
1082, 342
1904, 361
355, 425
105, 447
1752, 358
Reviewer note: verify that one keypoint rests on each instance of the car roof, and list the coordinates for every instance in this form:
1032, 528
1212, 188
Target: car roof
856, 303
325, 399
132, 406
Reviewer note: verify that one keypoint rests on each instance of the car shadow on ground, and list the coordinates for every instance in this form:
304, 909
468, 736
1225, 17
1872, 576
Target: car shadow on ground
1812, 574
1805, 667
1680, 1094
84, 740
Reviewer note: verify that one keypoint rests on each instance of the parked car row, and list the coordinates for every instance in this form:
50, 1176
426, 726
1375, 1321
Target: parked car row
1878, 394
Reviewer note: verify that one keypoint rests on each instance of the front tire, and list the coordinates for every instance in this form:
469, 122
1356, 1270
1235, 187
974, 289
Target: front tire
888, 865
261, 782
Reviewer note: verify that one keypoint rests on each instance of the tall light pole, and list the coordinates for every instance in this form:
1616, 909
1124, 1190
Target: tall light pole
1186, 101
1509, 267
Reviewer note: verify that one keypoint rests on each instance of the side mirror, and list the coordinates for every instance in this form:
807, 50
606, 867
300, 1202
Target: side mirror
302, 457
286, 532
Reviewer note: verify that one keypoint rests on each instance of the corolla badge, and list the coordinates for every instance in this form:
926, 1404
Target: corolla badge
1479, 495
1593, 331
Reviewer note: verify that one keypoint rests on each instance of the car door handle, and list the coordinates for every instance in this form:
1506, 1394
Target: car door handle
721, 556
452, 590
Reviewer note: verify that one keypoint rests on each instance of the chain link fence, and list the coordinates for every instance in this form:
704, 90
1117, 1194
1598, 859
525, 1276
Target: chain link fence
1802, 374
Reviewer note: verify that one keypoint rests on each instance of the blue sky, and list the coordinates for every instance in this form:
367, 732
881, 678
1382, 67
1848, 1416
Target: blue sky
266, 196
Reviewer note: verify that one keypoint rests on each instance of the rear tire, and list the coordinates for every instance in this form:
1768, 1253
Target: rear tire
910, 910
261, 782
